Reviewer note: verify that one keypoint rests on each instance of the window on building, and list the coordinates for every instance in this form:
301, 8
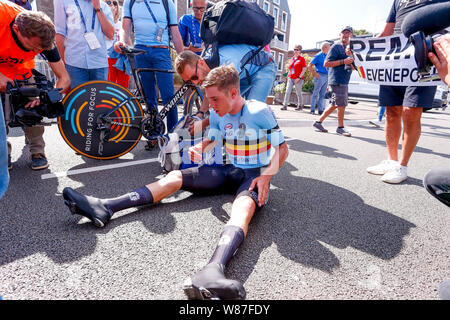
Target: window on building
284, 18
276, 12
276, 1
272, 53
280, 61
279, 36
266, 6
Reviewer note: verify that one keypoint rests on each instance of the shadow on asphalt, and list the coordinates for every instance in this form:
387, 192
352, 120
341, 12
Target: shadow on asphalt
317, 149
299, 221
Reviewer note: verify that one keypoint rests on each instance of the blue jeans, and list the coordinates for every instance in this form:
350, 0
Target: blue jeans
157, 58
320, 88
79, 76
261, 83
4, 174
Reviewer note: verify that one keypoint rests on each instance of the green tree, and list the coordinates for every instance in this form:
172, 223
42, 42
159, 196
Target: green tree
361, 32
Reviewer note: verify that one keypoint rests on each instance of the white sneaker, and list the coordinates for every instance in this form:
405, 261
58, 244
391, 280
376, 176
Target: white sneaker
377, 123
383, 167
395, 175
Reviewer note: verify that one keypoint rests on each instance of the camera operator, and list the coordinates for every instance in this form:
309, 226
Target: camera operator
24, 34
403, 104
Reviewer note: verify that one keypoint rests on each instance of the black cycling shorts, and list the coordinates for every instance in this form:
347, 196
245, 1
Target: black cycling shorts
219, 180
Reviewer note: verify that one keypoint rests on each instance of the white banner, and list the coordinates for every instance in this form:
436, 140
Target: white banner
388, 61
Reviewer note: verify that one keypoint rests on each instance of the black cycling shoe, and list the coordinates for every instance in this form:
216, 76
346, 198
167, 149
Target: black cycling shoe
89, 207
210, 284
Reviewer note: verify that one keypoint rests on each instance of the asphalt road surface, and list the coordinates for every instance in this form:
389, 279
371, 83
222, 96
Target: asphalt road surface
330, 230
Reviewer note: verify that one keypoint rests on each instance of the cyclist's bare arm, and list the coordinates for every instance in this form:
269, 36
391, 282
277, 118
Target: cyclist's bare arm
124, 35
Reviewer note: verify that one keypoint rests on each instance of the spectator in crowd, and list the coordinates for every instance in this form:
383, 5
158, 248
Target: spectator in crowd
23, 3
340, 61
320, 73
189, 27
83, 28
116, 75
404, 106
297, 68
18, 26
152, 33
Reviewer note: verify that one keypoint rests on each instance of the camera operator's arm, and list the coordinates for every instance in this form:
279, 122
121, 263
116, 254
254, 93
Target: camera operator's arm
4, 81
442, 60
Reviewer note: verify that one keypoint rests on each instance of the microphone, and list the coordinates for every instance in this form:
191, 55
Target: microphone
429, 19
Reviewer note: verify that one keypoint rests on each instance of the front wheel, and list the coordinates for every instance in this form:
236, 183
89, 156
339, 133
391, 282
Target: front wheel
86, 128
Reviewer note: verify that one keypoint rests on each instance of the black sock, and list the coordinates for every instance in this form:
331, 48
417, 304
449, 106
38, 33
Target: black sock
230, 240
136, 198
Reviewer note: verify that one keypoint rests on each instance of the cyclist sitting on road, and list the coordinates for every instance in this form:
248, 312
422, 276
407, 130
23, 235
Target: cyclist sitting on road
256, 80
24, 34
250, 130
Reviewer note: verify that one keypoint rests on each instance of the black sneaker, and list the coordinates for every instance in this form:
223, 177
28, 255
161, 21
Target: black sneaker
319, 127
92, 208
210, 284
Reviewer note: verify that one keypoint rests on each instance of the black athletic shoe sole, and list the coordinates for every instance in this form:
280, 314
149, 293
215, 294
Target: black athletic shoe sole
193, 292
71, 202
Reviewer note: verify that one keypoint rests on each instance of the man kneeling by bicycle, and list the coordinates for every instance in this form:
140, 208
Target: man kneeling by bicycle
249, 130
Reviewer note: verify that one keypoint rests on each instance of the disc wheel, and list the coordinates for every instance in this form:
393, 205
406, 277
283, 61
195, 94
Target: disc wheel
82, 126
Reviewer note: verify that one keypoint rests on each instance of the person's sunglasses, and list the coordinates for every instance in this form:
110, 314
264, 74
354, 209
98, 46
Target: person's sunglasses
297, 50
113, 2
199, 8
195, 76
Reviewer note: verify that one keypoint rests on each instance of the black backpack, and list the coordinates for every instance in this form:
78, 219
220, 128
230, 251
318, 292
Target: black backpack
166, 7
235, 22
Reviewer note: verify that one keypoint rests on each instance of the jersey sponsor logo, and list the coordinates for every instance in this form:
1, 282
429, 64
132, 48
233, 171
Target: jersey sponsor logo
10, 60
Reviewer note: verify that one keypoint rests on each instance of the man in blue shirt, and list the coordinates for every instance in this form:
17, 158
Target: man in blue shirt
251, 132
320, 74
152, 33
83, 28
340, 61
189, 27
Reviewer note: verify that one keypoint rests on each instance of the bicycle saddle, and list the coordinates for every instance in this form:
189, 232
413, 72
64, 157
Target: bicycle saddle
130, 50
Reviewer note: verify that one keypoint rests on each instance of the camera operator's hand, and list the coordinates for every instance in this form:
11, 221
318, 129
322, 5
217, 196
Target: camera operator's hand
4, 81
442, 60
33, 103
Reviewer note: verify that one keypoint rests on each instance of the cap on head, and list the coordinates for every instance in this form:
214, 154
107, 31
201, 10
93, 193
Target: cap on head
347, 28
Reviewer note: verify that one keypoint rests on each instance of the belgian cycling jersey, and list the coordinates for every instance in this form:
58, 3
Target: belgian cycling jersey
248, 136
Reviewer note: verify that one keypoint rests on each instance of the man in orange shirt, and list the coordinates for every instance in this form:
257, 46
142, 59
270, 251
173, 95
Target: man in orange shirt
297, 68
24, 34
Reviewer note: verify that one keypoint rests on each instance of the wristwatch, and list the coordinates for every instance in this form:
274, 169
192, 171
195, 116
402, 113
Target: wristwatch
98, 10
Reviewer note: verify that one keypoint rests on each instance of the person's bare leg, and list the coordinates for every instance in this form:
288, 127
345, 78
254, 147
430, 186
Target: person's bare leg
411, 132
340, 113
393, 130
326, 113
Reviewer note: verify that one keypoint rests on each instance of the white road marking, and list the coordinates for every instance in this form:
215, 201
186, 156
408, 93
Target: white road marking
94, 169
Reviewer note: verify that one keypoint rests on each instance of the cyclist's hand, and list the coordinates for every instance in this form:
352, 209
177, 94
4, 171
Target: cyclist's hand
118, 45
262, 183
348, 60
195, 153
196, 127
4, 81
194, 49
33, 103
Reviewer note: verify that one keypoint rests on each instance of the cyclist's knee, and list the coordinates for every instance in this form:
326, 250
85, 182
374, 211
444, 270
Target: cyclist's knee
175, 176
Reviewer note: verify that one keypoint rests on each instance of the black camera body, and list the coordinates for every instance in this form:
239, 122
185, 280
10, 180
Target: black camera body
423, 45
422, 27
23, 90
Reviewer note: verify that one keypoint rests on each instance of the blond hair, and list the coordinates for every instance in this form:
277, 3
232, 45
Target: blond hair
37, 24
223, 77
